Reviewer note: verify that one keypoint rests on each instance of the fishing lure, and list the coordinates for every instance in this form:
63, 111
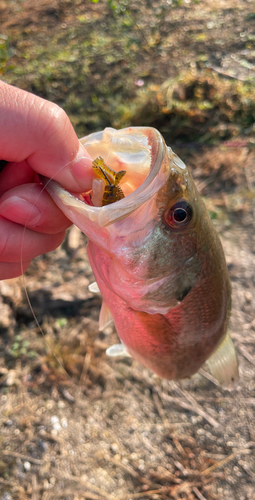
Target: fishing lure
112, 190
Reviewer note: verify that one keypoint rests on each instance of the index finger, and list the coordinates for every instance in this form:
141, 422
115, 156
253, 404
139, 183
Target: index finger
40, 132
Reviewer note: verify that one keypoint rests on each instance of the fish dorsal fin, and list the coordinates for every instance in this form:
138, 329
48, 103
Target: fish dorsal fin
105, 317
117, 350
223, 364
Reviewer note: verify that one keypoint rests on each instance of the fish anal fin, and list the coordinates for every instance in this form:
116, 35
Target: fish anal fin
105, 317
223, 364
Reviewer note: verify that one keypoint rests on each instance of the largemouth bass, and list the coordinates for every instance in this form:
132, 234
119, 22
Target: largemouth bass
156, 257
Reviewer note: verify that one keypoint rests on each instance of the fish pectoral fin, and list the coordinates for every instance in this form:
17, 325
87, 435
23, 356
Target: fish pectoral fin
93, 287
223, 364
117, 350
105, 316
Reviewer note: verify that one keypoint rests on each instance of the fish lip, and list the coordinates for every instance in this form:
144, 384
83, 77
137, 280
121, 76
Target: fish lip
108, 214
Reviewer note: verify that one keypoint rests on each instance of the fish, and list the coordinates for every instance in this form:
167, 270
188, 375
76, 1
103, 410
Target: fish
157, 258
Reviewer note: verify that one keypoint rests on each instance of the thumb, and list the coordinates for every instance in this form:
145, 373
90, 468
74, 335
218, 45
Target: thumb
40, 132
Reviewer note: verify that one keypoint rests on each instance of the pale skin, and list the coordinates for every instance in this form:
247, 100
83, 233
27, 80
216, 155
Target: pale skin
36, 137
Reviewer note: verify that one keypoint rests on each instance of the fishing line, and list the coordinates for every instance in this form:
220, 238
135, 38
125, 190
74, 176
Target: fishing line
111, 146
22, 268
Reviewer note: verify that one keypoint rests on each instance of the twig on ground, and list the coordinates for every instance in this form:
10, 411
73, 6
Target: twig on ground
246, 469
194, 407
178, 446
198, 408
90, 486
126, 468
225, 461
108, 395
246, 354
85, 369
173, 490
141, 396
81, 493
165, 475
176, 425
50, 437
209, 377
34, 488
7, 483
68, 396
198, 494
181, 468
32, 460
159, 408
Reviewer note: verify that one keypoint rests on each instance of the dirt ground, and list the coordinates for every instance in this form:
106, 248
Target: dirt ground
75, 424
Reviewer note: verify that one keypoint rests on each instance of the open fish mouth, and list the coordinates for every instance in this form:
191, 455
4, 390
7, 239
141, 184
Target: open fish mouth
139, 151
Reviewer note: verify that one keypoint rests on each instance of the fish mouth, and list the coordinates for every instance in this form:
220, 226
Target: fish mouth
141, 152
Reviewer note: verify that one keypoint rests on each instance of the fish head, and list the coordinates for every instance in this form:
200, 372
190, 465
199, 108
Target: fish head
151, 235
156, 256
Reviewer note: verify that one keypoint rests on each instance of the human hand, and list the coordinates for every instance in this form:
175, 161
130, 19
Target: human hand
36, 137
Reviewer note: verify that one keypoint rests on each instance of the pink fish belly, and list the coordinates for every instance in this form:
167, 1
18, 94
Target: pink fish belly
170, 345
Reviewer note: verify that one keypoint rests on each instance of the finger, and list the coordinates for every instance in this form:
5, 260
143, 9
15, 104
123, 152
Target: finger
15, 174
40, 132
31, 206
12, 269
18, 243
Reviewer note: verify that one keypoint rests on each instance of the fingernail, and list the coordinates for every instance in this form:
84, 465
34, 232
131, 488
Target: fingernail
21, 211
82, 169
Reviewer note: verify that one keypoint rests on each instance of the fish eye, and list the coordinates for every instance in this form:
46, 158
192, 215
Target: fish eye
179, 215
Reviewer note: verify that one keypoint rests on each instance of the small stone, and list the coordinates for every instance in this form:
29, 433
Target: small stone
49, 405
54, 419
11, 378
8, 422
64, 423
27, 466
248, 296
114, 448
6, 496
6, 315
57, 427
5, 289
